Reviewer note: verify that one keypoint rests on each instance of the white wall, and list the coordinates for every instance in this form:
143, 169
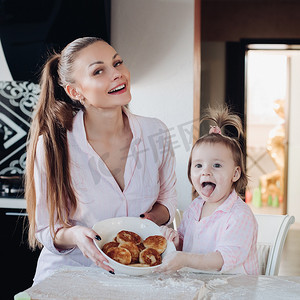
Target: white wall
5, 74
294, 142
155, 39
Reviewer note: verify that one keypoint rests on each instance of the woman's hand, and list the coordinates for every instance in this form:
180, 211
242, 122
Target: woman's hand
170, 234
159, 214
172, 262
82, 237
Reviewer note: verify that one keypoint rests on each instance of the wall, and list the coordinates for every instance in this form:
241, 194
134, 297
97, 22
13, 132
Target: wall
155, 39
294, 141
231, 20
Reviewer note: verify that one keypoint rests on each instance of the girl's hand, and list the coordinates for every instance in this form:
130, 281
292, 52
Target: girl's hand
172, 262
170, 234
83, 238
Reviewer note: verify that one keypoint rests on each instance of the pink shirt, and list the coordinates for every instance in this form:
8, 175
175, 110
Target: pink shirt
231, 230
149, 177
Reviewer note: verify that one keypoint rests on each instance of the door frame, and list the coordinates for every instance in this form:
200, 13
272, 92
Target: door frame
236, 96
197, 70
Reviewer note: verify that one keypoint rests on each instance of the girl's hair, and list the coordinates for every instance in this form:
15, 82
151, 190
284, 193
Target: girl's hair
53, 117
222, 117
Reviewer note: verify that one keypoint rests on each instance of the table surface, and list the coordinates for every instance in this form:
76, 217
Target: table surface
91, 283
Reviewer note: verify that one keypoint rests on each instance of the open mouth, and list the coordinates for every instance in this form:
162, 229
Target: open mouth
207, 188
118, 89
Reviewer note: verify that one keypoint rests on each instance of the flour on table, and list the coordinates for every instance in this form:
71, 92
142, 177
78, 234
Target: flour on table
206, 291
89, 283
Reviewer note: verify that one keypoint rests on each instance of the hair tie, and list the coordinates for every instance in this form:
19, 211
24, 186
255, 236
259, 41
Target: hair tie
214, 129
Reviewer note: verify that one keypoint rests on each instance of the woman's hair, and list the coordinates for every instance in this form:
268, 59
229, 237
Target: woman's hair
222, 118
53, 117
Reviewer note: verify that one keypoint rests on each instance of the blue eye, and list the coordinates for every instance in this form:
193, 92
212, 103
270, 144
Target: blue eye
217, 166
198, 166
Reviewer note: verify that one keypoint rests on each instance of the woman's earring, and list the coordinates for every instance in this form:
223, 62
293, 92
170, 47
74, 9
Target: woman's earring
81, 101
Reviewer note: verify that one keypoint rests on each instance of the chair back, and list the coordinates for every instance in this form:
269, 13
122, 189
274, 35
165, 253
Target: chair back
177, 219
272, 232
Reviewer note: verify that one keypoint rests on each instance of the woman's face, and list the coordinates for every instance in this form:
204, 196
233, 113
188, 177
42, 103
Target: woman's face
101, 77
213, 171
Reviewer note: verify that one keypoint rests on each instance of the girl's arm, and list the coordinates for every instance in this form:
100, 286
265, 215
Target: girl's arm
176, 260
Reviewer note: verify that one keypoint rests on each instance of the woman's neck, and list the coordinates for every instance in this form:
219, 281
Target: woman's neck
104, 123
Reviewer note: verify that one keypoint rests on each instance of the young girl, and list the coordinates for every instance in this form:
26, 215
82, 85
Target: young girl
218, 231
90, 158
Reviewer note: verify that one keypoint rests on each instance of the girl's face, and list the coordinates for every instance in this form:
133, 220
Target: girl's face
101, 77
213, 171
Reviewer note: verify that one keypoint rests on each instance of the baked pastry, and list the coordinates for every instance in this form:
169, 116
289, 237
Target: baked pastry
120, 255
133, 249
128, 248
157, 242
150, 257
109, 245
141, 247
128, 236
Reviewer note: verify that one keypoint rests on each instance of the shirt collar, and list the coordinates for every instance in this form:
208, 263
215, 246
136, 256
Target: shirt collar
134, 126
228, 203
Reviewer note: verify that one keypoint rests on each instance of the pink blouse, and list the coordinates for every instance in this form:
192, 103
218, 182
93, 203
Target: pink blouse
149, 178
231, 230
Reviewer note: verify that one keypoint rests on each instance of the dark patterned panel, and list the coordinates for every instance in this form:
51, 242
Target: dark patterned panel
17, 100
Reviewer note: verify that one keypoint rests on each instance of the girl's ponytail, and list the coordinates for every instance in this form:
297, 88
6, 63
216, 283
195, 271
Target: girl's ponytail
222, 117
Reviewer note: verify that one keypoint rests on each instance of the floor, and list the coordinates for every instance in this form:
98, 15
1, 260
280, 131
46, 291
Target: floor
290, 259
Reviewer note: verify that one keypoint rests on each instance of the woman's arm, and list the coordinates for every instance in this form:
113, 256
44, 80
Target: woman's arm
82, 237
66, 238
159, 214
163, 211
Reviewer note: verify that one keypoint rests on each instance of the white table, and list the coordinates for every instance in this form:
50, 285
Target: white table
91, 283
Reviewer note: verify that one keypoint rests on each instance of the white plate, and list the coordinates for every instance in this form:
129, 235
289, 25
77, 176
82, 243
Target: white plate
108, 229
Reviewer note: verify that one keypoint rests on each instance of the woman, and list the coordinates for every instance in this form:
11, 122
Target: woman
90, 159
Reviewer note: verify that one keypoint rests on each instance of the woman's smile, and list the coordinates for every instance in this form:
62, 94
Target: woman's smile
119, 89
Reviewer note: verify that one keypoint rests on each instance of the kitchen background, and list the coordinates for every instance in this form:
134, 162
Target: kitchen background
156, 40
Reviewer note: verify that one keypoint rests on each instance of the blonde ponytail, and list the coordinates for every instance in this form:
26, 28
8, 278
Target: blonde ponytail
53, 117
